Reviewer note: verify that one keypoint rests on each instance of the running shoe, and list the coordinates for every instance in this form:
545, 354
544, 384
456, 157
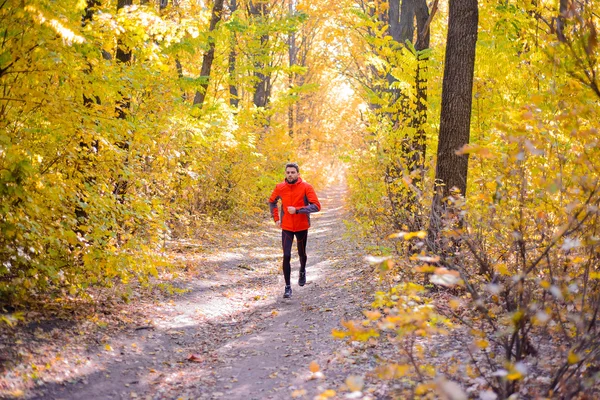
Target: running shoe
288, 292
302, 278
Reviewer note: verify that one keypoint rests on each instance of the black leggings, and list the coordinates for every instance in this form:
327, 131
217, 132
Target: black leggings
287, 238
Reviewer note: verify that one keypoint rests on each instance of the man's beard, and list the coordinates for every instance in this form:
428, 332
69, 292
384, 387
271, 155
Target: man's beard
289, 181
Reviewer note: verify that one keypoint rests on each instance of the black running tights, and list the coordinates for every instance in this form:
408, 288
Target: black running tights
287, 238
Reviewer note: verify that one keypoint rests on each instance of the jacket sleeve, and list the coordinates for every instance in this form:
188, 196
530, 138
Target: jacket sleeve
273, 204
311, 200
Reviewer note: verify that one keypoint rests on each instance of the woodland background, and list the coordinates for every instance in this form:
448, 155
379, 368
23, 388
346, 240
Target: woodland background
126, 125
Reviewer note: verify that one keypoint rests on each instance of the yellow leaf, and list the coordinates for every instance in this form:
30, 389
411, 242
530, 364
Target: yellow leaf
396, 235
502, 269
327, 394
314, 367
482, 343
372, 315
337, 334
423, 388
298, 393
516, 317
514, 375
355, 383
471, 373
454, 304
573, 358
401, 370
107, 347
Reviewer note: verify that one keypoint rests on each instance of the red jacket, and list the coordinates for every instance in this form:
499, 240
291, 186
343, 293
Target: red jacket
300, 195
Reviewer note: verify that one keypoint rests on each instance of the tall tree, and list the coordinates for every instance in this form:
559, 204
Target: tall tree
259, 11
233, 89
292, 53
123, 56
209, 56
457, 88
408, 27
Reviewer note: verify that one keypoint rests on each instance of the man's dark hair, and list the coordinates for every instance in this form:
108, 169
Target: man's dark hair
292, 165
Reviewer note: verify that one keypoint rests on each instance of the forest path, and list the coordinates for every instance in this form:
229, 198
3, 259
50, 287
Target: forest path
245, 341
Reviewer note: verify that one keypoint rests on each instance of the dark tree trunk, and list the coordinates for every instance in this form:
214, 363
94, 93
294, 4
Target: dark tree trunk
87, 146
408, 156
420, 118
451, 169
123, 56
262, 89
209, 56
394, 17
234, 99
292, 60
560, 20
457, 89
401, 17
233, 90
406, 29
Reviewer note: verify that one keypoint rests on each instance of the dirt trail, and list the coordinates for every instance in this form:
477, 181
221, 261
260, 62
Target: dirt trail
247, 341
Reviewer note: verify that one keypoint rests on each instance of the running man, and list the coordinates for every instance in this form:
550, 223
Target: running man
298, 200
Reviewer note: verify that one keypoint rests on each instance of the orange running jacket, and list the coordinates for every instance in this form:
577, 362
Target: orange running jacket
300, 195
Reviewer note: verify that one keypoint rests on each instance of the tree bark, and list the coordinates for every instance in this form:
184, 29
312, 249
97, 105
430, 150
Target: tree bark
408, 154
420, 118
292, 52
457, 88
262, 89
123, 56
233, 90
209, 56
394, 18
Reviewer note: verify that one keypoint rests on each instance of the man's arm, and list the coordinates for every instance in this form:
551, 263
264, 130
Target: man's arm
313, 202
273, 204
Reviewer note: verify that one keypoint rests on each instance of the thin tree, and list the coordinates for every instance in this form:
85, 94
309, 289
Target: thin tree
292, 53
259, 11
409, 27
123, 56
233, 89
209, 56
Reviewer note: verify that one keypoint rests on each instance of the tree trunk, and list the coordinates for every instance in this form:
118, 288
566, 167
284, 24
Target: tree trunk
560, 20
262, 89
123, 56
407, 154
292, 50
86, 146
420, 118
233, 90
394, 18
209, 56
451, 169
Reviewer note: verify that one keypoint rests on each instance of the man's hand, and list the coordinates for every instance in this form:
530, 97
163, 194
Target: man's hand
278, 222
291, 210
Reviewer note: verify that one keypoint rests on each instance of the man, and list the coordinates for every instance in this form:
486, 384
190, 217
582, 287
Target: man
298, 200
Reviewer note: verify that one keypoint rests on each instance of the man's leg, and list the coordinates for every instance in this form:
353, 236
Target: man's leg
301, 238
287, 238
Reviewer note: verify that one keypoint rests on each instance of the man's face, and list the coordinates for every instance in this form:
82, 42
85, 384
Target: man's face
291, 174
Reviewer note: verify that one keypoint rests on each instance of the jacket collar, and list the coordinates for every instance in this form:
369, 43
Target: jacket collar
297, 182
